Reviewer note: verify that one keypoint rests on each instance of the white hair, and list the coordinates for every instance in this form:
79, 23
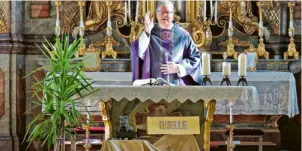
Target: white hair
165, 2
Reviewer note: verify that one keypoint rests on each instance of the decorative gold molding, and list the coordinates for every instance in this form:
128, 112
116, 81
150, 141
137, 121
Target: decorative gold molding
291, 50
104, 108
196, 30
230, 51
237, 42
3, 27
210, 107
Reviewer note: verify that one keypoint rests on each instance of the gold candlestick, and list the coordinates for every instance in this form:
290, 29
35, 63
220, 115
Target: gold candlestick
230, 143
109, 39
57, 28
261, 46
291, 50
81, 51
87, 145
230, 52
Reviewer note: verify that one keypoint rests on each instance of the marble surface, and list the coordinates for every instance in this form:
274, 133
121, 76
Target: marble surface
4, 121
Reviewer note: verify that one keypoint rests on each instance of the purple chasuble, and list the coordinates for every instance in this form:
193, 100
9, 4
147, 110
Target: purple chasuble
175, 45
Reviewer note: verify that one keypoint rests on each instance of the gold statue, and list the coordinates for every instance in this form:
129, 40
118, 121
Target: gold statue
98, 13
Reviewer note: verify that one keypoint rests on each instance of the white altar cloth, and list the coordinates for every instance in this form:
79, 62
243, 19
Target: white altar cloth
171, 93
276, 90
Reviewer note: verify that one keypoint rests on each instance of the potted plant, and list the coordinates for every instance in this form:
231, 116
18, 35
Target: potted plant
62, 87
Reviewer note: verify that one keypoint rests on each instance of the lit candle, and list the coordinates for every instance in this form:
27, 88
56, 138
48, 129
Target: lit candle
216, 3
129, 9
206, 64
226, 69
136, 13
242, 64
125, 7
205, 10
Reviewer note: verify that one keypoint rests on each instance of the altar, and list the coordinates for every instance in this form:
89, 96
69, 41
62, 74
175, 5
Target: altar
115, 99
277, 91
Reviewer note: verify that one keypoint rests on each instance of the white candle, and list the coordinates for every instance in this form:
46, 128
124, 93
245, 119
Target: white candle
206, 64
88, 117
211, 8
242, 64
260, 32
136, 13
205, 10
216, 3
58, 22
125, 6
291, 24
226, 69
231, 114
129, 9
230, 21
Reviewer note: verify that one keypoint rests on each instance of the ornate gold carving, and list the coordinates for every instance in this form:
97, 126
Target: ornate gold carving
237, 42
136, 30
71, 16
86, 127
98, 13
196, 29
242, 13
230, 142
210, 107
230, 51
192, 11
291, 50
107, 43
104, 108
3, 27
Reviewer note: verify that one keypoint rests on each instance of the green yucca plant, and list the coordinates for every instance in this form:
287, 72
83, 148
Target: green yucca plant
62, 87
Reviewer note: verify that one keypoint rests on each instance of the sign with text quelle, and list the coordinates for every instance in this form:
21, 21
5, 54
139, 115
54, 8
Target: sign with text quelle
173, 125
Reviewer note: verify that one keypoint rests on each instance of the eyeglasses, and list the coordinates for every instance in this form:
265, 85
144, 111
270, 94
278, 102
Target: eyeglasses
163, 13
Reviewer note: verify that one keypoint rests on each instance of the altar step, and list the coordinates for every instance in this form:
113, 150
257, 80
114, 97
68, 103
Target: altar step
243, 146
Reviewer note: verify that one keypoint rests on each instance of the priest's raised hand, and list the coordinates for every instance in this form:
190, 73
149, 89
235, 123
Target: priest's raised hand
149, 23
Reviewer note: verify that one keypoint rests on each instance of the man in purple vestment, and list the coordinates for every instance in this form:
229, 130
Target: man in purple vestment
165, 50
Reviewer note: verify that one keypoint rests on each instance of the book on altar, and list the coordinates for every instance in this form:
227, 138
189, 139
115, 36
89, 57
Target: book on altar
151, 81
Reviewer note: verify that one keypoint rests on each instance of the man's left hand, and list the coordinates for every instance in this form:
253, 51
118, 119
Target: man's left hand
169, 68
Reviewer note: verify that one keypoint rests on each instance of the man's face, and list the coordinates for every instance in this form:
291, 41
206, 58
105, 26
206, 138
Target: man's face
164, 16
